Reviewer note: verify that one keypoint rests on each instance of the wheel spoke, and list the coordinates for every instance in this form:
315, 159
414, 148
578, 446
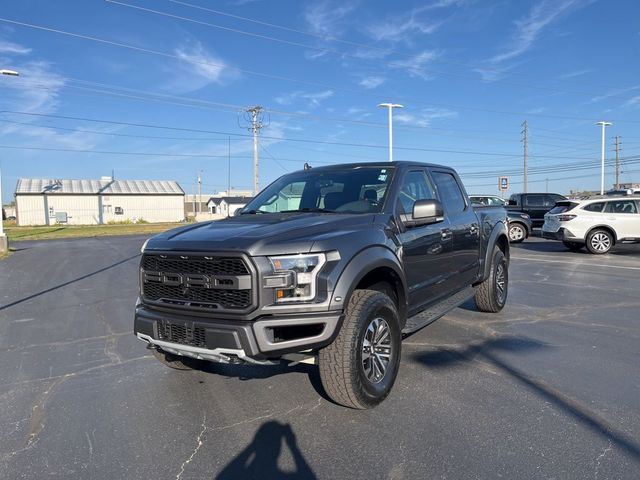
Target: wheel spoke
376, 350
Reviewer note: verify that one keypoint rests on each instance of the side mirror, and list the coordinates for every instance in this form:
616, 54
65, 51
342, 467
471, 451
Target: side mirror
425, 212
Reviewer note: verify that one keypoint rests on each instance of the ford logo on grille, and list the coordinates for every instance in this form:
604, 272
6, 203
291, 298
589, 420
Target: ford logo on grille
194, 280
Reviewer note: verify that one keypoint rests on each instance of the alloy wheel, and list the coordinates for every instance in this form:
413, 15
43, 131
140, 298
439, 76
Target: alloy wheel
516, 232
601, 242
501, 282
376, 350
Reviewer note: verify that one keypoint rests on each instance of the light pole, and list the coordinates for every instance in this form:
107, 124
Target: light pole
604, 125
4, 243
390, 107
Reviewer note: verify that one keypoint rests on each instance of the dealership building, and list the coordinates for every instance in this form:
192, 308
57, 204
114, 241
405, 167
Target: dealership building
87, 202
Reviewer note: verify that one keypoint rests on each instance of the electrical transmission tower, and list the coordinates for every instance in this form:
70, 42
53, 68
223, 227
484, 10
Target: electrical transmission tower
525, 144
617, 138
253, 119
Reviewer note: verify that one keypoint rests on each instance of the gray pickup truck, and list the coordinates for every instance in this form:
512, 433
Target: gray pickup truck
332, 266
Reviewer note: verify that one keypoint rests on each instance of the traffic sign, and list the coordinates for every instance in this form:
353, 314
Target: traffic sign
503, 184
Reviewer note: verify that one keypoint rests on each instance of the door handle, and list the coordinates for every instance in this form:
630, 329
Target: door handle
473, 230
446, 234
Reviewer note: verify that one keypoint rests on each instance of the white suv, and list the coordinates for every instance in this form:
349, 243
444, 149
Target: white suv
598, 223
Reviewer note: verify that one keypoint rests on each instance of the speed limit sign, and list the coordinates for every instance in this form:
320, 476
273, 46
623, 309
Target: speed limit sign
503, 184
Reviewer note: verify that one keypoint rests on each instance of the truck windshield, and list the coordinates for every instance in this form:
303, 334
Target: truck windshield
352, 190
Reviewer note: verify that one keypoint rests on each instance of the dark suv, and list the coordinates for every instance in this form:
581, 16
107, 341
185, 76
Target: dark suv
329, 265
534, 204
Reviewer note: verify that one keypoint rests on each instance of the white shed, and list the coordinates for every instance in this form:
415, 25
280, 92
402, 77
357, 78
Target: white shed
86, 202
226, 206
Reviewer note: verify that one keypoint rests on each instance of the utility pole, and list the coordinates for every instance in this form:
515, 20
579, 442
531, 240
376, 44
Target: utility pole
390, 107
617, 138
254, 116
547, 185
525, 144
604, 125
229, 169
199, 191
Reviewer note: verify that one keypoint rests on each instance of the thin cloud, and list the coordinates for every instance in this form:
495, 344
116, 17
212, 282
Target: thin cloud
415, 65
312, 99
425, 117
632, 102
577, 73
529, 28
327, 18
202, 69
405, 26
10, 48
371, 82
614, 93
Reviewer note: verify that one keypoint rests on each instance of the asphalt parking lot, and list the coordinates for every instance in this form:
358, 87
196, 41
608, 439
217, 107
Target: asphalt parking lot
548, 388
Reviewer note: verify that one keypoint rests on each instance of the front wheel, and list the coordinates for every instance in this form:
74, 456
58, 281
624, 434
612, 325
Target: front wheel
360, 367
599, 242
491, 295
517, 232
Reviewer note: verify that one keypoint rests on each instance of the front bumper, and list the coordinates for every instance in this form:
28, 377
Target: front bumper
229, 341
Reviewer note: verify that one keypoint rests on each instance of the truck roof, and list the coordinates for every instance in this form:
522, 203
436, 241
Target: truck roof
381, 164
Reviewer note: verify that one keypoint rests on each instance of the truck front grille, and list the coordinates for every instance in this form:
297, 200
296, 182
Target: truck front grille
197, 281
182, 334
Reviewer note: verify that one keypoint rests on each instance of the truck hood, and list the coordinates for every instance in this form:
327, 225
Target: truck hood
261, 234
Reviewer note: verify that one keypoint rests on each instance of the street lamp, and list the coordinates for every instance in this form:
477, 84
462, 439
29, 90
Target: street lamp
390, 107
4, 244
604, 125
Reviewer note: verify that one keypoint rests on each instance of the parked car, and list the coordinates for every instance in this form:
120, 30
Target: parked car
334, 271
534, 204
520, 226
489, 200
598, 223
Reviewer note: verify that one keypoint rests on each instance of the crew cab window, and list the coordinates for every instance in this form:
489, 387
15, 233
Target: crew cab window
622, 206
594, 207
415, 186
449, 192
535, 200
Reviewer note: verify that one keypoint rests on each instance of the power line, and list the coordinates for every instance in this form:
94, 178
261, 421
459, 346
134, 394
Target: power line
340, 52
302, 140
287, 79
363, 45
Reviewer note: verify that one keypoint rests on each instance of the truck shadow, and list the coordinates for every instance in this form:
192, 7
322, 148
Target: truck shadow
259, 460
487, 351
247, 372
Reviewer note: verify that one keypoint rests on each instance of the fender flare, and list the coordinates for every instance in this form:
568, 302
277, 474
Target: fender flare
498, 230
360, 265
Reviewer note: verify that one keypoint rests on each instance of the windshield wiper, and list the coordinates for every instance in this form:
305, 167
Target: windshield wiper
307, 210
252, 212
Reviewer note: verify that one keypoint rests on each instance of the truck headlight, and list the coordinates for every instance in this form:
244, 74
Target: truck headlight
294, 276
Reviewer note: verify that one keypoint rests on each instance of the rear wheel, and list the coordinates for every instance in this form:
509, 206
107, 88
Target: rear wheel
360, 367
491, 295
599, 242
517, 232
573, 246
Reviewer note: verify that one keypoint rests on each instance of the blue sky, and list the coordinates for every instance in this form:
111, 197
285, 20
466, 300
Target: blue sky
468, 72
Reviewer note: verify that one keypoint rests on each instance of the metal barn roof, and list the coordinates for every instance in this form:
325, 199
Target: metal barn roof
94, 187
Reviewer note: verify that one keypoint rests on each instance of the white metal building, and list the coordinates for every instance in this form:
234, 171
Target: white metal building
86, 202
226, 206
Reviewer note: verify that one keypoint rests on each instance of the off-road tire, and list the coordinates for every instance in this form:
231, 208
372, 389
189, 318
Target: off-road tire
517, 232
489, 296
174, 361
599, 242
573, 246
341, 363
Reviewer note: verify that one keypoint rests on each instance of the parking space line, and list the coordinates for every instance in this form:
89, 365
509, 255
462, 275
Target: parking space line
598, 265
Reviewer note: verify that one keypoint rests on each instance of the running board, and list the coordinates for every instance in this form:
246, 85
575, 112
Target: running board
436, 311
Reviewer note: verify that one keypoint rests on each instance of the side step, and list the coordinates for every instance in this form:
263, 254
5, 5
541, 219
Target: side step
436, 311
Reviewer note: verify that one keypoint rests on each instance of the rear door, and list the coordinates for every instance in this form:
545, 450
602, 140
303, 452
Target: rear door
623, 216
536, 205
426, 249
463, 223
